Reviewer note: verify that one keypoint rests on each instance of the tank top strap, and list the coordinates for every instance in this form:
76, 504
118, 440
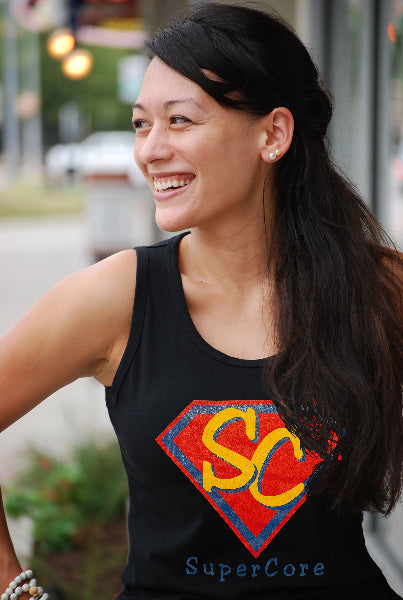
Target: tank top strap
151, 273
139, 304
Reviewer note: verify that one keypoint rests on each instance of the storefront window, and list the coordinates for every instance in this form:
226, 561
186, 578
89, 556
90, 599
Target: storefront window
363, 59
390, 191
365, 74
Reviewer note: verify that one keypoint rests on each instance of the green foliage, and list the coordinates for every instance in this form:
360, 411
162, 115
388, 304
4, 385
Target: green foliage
64, 498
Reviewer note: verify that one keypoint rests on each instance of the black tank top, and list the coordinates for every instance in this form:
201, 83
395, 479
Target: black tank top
218, 505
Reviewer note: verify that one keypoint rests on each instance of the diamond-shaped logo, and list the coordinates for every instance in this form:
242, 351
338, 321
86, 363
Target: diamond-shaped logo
244, 461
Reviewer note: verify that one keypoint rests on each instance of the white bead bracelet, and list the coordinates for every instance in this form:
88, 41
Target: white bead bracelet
18, 587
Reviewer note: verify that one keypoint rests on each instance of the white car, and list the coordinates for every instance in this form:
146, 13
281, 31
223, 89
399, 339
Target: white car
101, 154
110, 153
62, 162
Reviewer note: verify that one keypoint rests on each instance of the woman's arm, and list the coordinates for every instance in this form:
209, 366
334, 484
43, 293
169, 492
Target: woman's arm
79, 328
9, 565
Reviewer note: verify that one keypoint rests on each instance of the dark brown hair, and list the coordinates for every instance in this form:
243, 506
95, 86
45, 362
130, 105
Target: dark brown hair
338, 375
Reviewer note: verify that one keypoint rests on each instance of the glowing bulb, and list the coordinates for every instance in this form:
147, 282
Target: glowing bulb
60, 43
77, 64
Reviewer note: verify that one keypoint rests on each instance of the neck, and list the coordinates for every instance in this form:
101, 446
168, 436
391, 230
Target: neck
237, 258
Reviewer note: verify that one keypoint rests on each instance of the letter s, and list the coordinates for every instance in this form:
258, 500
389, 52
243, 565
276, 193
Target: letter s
247, 468
191, 569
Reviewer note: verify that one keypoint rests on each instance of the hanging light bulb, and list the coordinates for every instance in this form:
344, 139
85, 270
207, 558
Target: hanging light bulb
77, 64
60, 43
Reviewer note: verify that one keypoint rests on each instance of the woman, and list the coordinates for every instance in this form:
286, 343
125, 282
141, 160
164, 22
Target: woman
255, 387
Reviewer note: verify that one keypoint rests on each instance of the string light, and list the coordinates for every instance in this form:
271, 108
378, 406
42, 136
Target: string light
77, 64
60, 43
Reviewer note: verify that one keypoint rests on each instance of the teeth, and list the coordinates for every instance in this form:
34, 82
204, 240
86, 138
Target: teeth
161, 186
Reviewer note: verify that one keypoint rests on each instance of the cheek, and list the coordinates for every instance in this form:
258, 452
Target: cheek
210, 155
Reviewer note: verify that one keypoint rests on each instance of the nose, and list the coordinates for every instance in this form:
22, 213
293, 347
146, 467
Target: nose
153, 147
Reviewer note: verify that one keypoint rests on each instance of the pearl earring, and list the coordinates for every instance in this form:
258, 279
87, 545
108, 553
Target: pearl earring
275, 154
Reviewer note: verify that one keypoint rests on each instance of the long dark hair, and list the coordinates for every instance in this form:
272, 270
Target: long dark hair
338, 376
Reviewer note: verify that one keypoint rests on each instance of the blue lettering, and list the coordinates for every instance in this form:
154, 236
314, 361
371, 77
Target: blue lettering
252, 570
266, 569
289, 572
211, 572
191, 569
224, 570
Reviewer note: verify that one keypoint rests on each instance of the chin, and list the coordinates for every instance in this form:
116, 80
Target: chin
171, 224
171, 228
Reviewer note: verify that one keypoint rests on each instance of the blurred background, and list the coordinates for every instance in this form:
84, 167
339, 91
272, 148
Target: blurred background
70, 193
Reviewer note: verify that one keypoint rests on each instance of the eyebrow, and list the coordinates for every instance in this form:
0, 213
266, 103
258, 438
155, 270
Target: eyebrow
170, 103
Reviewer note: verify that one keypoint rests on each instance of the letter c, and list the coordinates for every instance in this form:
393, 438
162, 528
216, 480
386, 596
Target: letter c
259, 458
272, 573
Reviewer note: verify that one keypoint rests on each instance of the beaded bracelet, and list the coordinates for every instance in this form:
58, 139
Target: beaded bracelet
15, 589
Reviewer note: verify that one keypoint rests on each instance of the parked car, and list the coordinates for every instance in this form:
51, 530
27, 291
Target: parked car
101, 154
61, 163
110, 153
119, 212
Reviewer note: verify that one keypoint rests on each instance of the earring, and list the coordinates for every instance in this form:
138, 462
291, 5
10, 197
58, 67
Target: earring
275, 154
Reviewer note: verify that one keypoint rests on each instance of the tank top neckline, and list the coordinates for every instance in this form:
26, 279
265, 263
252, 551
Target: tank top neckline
186, 319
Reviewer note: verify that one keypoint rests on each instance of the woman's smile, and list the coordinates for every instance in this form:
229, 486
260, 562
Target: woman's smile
175, 182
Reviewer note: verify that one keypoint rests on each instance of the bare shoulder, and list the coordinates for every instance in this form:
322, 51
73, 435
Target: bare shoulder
110, 289
79, 328
106, 285
100, 300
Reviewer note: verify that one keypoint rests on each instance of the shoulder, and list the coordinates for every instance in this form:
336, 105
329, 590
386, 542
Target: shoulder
104, 289
78, 328
109, 282
102, 297
91, 309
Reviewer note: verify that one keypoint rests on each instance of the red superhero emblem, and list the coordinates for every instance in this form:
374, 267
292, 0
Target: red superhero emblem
241, 457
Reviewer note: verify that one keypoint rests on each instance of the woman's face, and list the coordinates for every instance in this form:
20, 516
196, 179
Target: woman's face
201, 160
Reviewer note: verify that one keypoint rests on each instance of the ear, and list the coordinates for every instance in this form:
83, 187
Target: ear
278, 132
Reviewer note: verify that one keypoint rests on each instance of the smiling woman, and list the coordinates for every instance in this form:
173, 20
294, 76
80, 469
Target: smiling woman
255, 383
214, 154
192, 140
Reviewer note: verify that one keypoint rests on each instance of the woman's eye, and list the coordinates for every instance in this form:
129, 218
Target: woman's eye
139, 124
177, 119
